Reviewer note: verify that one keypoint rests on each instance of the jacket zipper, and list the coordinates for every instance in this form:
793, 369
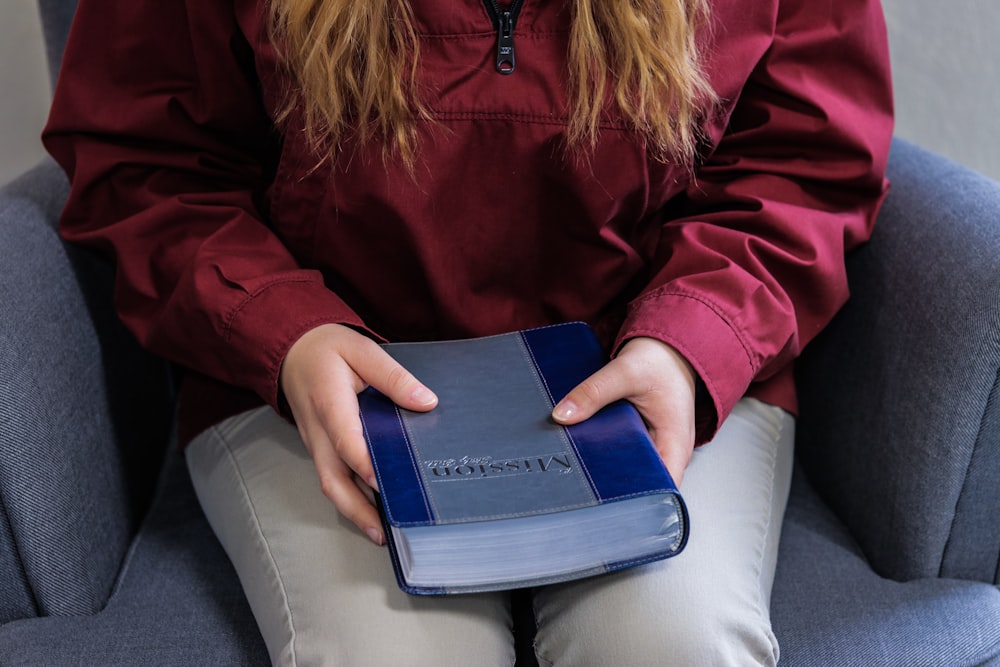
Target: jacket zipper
504, 22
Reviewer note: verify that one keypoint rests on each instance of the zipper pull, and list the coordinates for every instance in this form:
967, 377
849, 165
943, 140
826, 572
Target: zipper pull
504, 21
505, 43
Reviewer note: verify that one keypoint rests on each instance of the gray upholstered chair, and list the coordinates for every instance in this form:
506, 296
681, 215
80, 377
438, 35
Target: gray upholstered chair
890, 550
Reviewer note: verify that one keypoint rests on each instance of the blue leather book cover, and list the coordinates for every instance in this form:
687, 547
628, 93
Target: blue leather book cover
487, 492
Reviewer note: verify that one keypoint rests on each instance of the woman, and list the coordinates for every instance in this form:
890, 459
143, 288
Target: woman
284, 184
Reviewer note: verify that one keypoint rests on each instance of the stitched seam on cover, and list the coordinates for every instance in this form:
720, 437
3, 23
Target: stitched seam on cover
267, 547
564, 432
540, 382
411, 450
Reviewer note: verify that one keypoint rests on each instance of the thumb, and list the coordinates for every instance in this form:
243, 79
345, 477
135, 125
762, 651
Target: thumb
600, 389
377, 368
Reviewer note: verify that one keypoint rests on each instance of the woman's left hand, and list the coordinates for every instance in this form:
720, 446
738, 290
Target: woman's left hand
659, 382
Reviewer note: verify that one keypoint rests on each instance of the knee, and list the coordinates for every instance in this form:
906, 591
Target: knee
699, 633
708, 634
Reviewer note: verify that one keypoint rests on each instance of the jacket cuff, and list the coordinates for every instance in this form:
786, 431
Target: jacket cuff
711, 343
264, 327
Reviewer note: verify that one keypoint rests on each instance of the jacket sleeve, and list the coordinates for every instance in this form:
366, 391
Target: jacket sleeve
159, 122
750, 264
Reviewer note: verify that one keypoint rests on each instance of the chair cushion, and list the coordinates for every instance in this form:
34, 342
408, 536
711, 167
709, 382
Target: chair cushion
829, 608
900, 395
84, 413
177, 602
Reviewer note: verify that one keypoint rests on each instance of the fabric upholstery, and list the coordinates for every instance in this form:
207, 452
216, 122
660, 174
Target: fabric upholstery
899, 435
177, 603
80, 414
830, 609
899, 428
16, 600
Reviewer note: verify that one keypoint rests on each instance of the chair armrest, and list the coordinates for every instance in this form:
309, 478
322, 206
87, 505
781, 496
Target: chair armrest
900, 397
83, 413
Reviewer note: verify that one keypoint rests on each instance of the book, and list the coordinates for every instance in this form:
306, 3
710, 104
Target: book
487, 492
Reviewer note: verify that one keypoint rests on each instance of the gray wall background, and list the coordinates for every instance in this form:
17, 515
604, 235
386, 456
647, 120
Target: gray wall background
946, 61
946, 70
24, 87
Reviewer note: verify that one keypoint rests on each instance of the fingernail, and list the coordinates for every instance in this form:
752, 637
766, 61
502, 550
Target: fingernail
375, 536
423, 396
565, 411
372, 483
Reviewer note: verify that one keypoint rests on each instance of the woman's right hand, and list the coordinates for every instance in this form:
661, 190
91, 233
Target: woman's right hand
321, 377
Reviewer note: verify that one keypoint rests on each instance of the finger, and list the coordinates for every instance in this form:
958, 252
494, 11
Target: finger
674, 445
676, 459
669, 417
604, 387
340, 420
673, 437
378, 369
338, 484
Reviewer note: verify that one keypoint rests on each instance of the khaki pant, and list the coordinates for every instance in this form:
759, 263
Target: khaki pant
323, 594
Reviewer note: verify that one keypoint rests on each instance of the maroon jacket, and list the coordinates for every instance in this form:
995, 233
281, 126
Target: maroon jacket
230, 242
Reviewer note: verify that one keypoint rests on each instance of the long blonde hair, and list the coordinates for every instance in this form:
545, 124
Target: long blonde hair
353, 66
